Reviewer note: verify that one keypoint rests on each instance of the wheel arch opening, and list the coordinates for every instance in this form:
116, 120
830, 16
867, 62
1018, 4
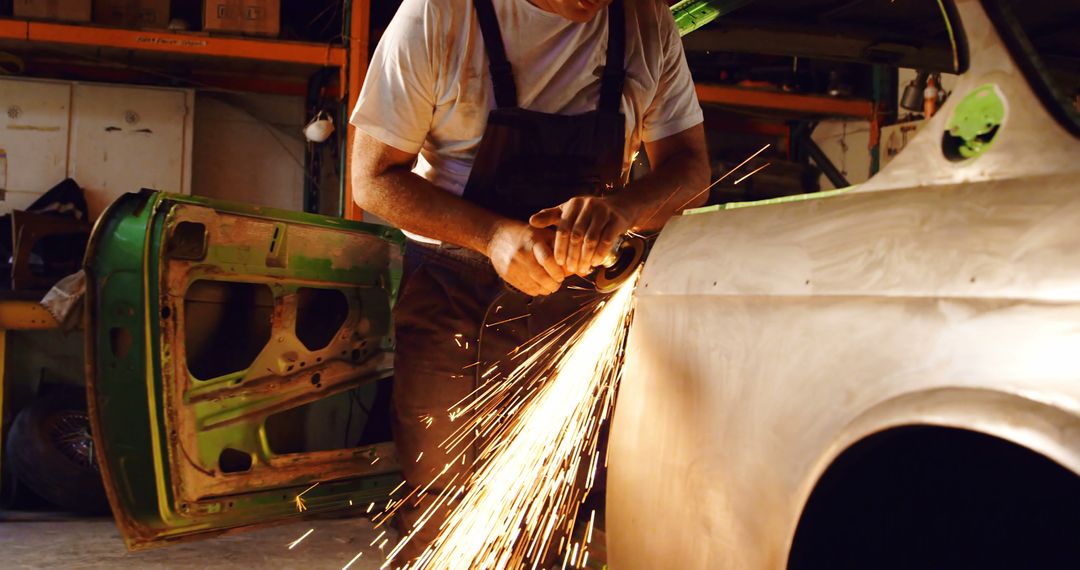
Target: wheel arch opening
938, 497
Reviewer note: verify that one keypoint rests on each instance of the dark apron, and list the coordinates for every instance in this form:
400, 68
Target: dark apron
527, 160
454, 316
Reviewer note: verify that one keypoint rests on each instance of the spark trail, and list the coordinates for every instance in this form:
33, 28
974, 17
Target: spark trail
537, 434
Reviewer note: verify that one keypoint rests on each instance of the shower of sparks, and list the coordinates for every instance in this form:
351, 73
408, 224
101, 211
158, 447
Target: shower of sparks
503, 322
293, 544
726, 174
378, 538
662, 204
592, 522
753, 172
536, 433
301, 506
351, 562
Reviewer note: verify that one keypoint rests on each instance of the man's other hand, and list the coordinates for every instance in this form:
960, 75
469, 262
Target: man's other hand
523, 257
586, 230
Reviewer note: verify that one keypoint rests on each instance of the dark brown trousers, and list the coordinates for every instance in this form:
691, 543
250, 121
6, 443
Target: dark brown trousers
448, 291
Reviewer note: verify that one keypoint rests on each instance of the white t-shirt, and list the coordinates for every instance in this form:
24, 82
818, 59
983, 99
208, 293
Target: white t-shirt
428, 89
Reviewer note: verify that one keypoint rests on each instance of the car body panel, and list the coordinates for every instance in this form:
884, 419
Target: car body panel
768, 339
1031, 143
170, 289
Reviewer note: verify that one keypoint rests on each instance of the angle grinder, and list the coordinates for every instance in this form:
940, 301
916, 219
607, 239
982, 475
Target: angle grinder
622, 261
625, 257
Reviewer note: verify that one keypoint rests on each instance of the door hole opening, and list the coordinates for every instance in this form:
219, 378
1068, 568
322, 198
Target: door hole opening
226, 326
320, 313
358, 417
234, 461
188, 241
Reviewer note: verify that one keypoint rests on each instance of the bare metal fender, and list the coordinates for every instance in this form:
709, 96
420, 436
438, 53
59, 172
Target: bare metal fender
768, 339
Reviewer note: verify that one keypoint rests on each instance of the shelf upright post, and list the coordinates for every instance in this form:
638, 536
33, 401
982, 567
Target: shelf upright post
359, 23
886, 109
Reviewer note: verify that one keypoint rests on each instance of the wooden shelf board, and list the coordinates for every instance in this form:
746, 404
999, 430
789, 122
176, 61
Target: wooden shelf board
169, 42
260, 83
761, 99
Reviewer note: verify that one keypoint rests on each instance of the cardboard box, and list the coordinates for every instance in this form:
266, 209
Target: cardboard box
253, 17
64, 10
132, 13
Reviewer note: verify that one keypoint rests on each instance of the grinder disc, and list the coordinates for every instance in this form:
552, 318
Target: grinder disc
631, 254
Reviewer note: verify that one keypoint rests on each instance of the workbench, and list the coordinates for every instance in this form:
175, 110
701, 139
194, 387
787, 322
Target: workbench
18, 311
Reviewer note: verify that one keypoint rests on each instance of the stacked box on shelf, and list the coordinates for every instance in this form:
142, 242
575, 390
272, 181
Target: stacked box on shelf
251, 17
132, 13
61, 10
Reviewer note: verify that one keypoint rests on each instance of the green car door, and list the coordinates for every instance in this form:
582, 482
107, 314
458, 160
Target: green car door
238, 364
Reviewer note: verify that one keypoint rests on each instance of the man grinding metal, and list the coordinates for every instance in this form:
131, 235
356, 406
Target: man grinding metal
498, 134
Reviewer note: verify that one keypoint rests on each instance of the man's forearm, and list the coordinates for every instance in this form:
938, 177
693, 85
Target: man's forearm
411, 203
675, 184
384, 185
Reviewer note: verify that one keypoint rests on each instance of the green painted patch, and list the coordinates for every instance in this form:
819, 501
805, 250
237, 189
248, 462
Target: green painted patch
975, 124
691, 15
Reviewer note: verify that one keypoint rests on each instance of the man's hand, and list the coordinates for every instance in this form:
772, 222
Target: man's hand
586, 230
522, 256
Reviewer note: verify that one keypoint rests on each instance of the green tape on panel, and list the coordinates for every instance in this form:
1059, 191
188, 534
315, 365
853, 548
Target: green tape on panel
770, 201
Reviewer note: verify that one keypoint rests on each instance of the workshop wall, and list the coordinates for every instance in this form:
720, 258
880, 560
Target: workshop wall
249, 148
111, 139
847, 144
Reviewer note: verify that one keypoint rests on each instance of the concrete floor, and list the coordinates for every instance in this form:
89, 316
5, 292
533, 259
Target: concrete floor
95, 543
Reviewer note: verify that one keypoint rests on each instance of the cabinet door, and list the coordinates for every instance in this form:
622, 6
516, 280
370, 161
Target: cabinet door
34, 118
127, 138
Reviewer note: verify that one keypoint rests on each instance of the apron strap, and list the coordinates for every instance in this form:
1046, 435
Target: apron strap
502, 75
614, 75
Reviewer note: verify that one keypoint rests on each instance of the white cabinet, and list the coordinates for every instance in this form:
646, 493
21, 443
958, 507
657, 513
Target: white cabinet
111, 140
125, 138
34, 117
